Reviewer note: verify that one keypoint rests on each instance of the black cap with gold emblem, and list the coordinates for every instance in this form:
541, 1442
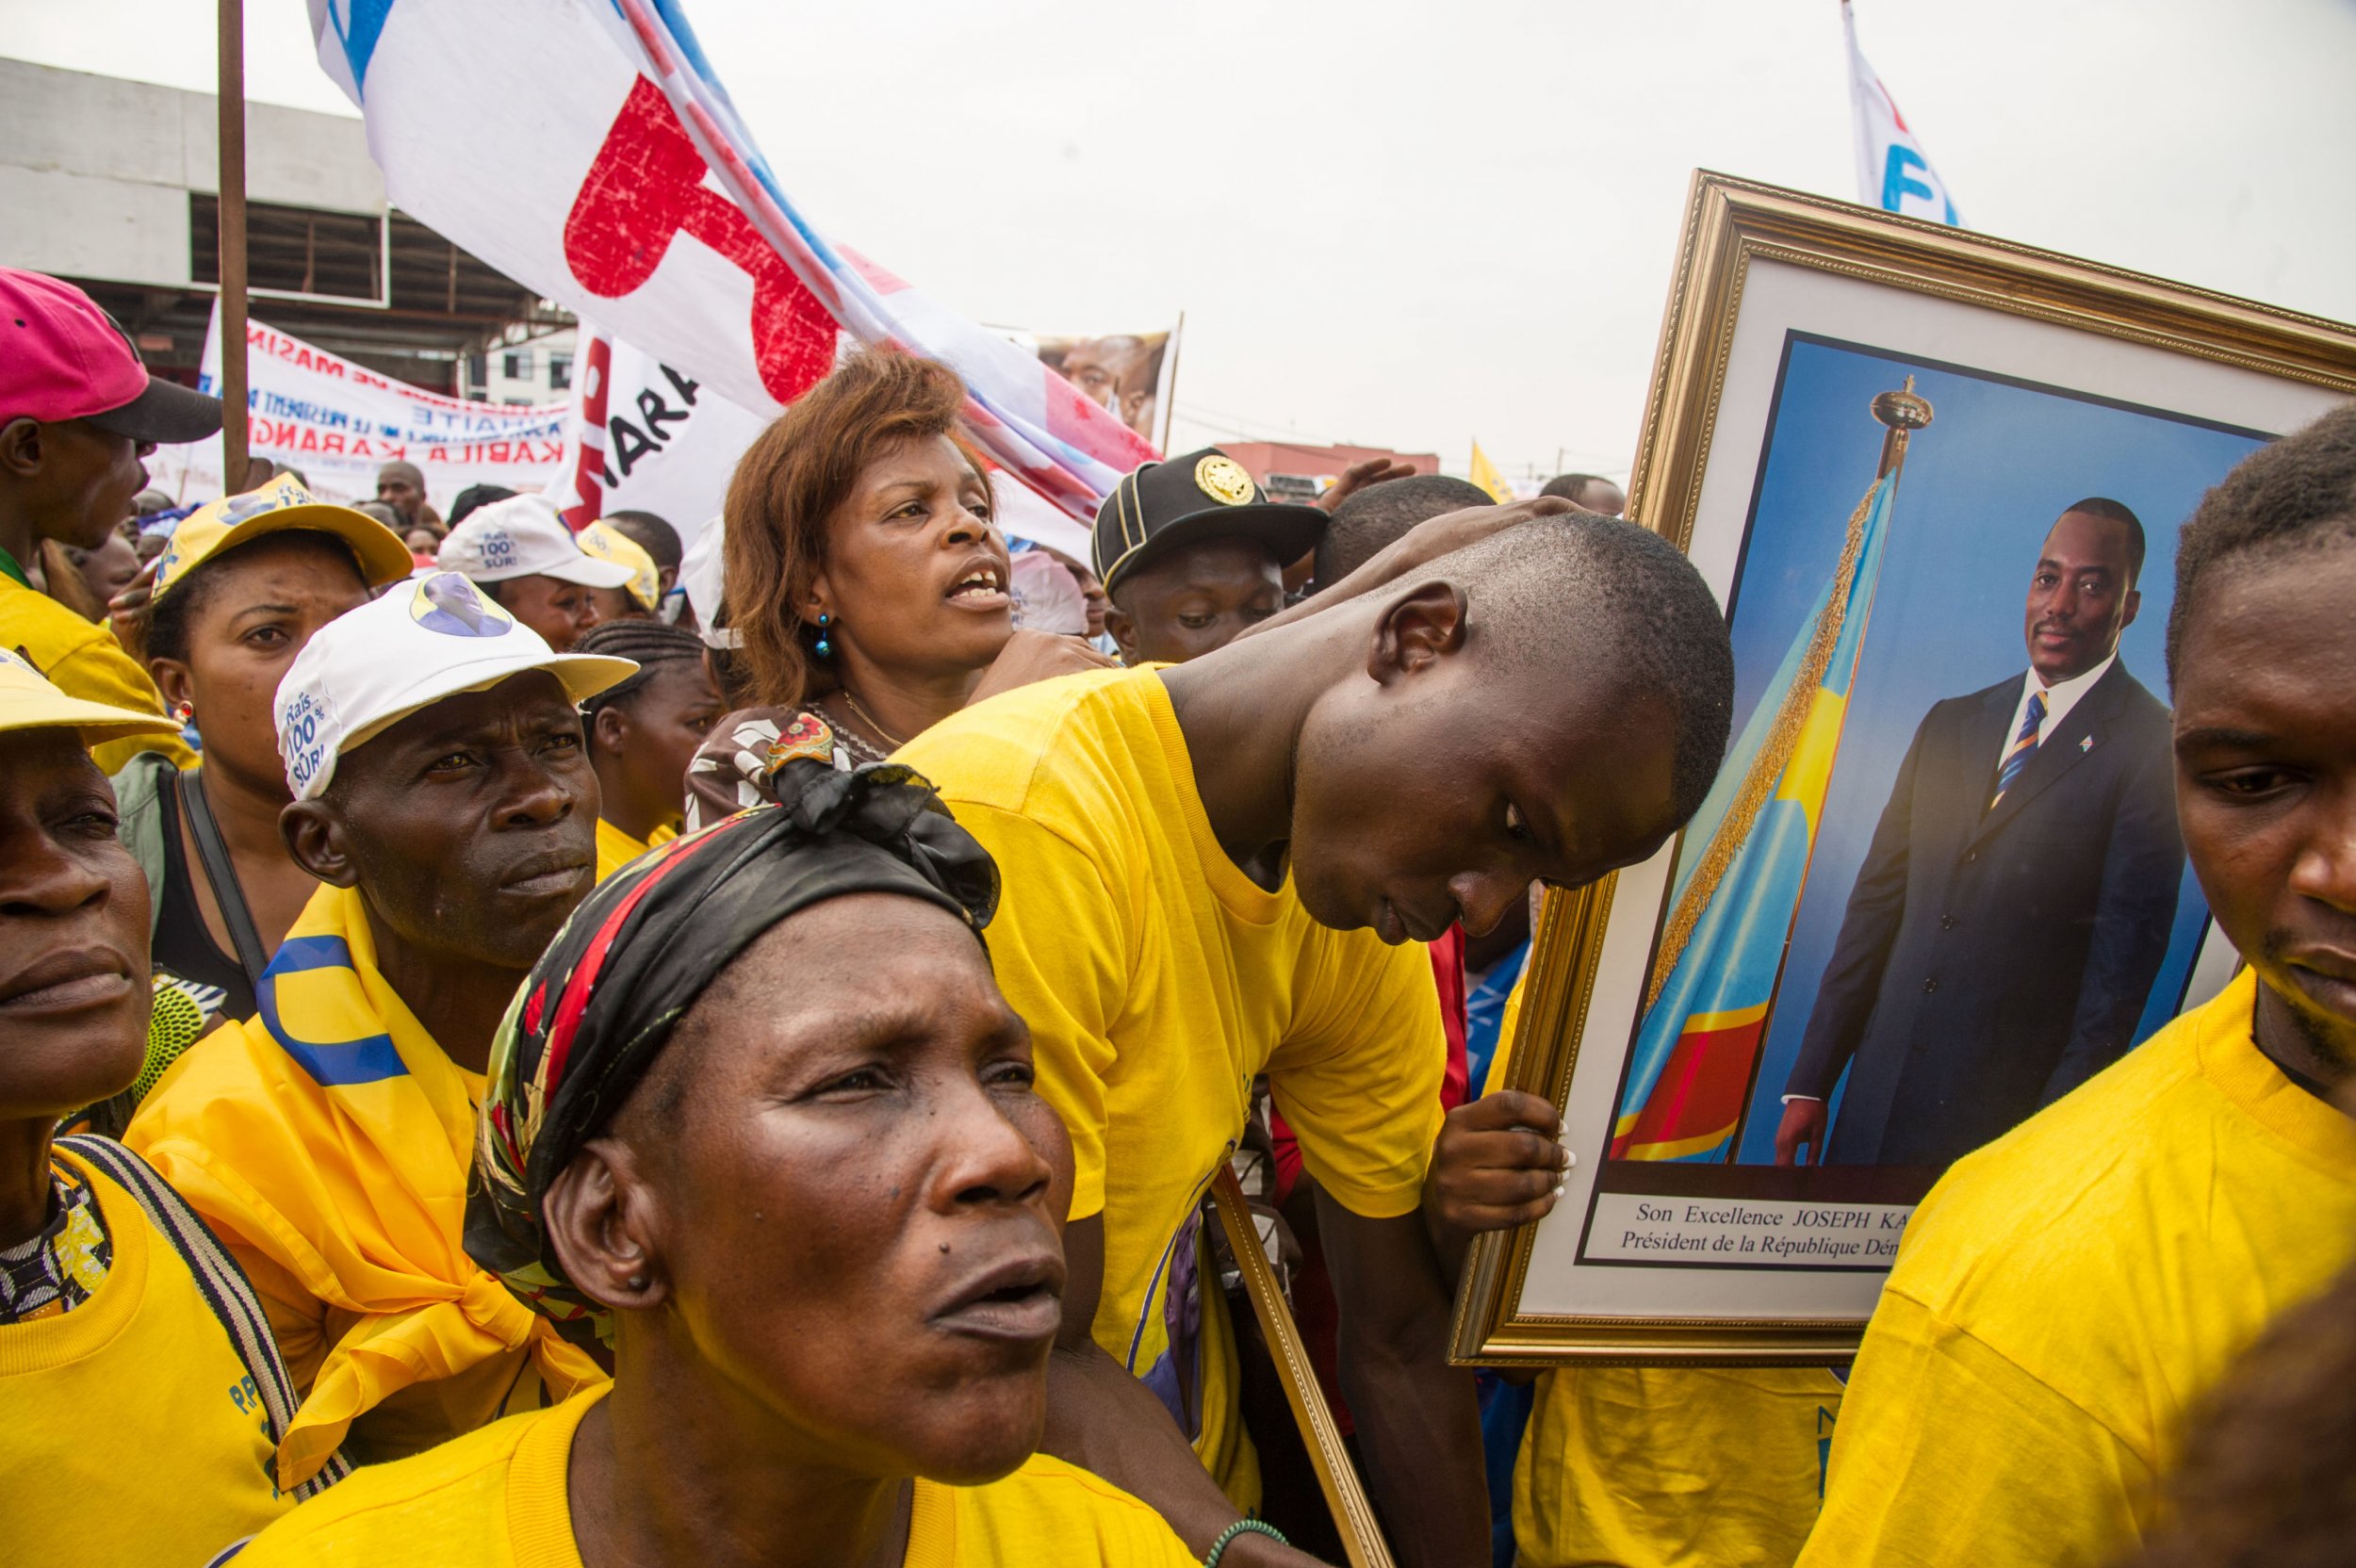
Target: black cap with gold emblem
1205, 495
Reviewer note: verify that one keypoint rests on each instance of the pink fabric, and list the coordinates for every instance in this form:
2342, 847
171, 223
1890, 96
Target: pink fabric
60, 356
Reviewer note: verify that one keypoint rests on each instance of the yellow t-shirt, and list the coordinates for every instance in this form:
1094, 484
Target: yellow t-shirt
1651, 1467
83, 659
129, 1432
2068, 1294
615, 849
496, 1499
1158, 980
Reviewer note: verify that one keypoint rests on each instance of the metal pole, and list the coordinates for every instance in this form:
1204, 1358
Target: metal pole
1169, 401
232, 182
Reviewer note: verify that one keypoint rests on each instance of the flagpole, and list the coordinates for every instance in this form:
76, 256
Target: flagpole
231, 102
1903, 412
1169, 399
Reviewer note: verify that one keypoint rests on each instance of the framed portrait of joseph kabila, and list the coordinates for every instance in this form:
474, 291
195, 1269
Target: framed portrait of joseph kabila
1936, 480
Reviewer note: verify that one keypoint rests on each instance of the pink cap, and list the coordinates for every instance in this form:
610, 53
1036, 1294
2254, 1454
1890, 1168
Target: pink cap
62, 357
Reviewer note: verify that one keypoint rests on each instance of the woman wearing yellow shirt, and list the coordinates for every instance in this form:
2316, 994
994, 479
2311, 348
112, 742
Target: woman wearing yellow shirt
642, 732
140, 1395
243, 585
760, 1124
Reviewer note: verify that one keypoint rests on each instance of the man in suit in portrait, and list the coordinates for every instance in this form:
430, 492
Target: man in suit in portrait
2017, 900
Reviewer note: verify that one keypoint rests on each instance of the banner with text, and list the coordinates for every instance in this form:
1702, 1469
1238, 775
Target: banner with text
339, 422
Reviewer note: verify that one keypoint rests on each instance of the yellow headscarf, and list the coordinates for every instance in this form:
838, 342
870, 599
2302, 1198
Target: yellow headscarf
329, 1138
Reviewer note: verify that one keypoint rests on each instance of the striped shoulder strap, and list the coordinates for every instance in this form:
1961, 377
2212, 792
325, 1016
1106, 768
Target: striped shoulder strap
220, 1281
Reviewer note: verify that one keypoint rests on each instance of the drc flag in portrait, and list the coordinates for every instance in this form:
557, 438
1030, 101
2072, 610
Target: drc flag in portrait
1745, 860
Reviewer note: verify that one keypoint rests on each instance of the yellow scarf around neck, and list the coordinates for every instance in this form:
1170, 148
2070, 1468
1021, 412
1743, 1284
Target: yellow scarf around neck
329, 1136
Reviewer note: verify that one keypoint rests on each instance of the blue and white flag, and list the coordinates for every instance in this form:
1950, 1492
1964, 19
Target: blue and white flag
1893, 170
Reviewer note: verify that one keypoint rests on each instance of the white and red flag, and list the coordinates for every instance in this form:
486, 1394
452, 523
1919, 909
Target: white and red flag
1893, 170
586, 149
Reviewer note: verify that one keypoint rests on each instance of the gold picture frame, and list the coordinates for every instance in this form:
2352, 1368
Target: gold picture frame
1742, 241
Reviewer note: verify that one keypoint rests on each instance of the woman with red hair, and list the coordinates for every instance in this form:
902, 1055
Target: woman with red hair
866, 583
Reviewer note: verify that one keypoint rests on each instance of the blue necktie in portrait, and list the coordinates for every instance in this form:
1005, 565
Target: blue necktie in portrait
2023, 748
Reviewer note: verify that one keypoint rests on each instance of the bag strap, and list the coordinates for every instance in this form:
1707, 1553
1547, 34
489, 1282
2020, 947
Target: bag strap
220, 1281
222, 874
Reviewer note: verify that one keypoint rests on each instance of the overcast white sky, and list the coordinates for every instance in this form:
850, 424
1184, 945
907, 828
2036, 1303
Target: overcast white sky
1411, 225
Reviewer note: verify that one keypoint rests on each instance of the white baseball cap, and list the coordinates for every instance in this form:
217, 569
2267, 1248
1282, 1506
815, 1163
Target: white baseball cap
523, 536
430, 638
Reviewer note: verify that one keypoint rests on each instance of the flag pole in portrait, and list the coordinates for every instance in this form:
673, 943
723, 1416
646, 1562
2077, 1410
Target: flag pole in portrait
1721, 956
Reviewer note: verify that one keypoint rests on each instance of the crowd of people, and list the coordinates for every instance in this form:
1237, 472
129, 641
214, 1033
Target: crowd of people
530, 1046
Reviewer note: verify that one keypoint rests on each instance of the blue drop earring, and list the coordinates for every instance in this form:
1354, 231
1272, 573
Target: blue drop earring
825, 649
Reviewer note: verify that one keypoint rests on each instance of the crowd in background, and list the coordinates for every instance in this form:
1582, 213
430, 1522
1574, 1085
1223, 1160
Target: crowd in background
526, 1045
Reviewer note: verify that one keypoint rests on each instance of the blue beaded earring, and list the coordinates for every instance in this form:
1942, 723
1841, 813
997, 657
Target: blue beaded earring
825, 649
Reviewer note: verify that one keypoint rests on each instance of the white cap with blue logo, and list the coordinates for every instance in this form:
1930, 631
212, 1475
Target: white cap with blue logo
429, 638
524, 536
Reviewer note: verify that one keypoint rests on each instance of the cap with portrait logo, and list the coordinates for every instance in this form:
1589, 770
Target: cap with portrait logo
523, 536
282, 504
1206, 494
434, 637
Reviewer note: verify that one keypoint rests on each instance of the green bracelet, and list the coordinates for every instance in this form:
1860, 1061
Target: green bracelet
1242, 1527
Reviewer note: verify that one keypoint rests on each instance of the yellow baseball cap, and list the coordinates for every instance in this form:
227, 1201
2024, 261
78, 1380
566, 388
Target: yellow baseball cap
28, 701
608, 543
283, 504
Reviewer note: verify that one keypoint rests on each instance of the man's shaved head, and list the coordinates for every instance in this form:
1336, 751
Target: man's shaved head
1559, 589
1591, 491
1550, 704
1382, 514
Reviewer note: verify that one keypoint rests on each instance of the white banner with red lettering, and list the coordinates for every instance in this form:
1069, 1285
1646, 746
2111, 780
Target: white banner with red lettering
625, 187
339, 422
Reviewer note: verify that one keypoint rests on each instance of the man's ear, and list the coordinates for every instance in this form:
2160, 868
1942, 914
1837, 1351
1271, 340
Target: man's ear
21, 447
2134, 608
172, 680
608, 731
604, 1225
1123, 631
1417, 628
314, 837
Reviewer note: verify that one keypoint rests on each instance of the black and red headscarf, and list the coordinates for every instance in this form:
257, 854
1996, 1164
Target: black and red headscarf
633, 959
